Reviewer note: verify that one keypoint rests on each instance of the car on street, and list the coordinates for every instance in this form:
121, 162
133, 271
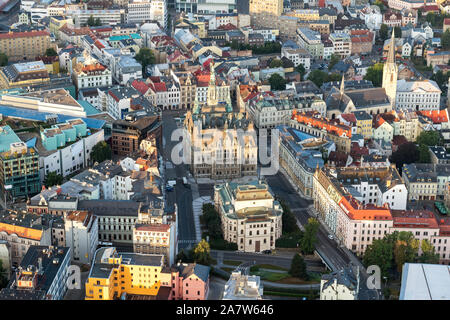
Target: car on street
330, 237
169, 188
267, 251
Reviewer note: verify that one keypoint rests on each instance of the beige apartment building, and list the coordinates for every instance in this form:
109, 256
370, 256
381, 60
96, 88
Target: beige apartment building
28, 45
263, 11
250, 215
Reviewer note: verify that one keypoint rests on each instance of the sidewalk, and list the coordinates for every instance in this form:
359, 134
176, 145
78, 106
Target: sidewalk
197, 205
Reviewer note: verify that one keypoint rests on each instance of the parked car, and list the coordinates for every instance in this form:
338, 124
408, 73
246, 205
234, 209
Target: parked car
267, 251
330, 237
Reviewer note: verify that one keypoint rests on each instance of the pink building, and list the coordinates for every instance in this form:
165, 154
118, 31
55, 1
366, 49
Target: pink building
190, 281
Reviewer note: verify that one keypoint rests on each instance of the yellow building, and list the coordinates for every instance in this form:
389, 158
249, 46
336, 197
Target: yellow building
305, 14
22, 75
24, 45
364, 124
273, 7
57, 22
112, 275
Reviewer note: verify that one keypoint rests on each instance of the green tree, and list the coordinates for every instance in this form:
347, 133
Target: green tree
182, 256
397, 32
429, 138
384, 29
91, 21
98, 22
445, 40
428, 253
406, 153
298, 267
441, 79
3, 59
379, 253
3, 276
318, 77
50, 52
405, 249
375, 74
52, 179
202, 253
276, 63
277, 82
424, 154
289, 222
309, 238
380, 4
334, 77
333, 60
211, 219
301, 69
101, 152
145, 57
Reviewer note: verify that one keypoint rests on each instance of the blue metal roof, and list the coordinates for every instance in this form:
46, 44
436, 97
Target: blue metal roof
33, 115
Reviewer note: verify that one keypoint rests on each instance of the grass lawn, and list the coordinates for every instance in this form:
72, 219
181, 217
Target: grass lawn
271, 267
271, 276
292, 280
232, 262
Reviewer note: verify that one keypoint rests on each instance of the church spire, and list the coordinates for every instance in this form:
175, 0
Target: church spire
391, 54
342, 85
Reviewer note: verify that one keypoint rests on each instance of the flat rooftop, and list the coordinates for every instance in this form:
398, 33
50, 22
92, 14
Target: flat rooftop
425, 282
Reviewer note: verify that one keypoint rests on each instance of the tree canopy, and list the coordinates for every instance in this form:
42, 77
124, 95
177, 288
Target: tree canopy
101, 152
3, 59
429, 138
202, 252
318, 77
394, 250
50, 52
375, 74
301, 69
276, 63
333, 60
309, 238
145, 57
406, 153
277, 82
384, 30
298, 267
52, 179
445, 40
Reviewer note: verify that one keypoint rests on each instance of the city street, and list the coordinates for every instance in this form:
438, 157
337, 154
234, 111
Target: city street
181, 195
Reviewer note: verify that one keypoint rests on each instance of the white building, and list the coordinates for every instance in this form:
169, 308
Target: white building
243, 287
339, 285
297, 56
250, 215
140, 11
372, 17
418, 95
69, 159
342, 44
81, 229
109, 17
425, 282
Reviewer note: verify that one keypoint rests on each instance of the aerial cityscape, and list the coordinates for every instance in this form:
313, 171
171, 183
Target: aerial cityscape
253, 150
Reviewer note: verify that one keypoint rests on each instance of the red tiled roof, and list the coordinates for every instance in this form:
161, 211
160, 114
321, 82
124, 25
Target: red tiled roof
140, 86
12, 35
160, 87
349, 117
446, 21
436, 116
414, 219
